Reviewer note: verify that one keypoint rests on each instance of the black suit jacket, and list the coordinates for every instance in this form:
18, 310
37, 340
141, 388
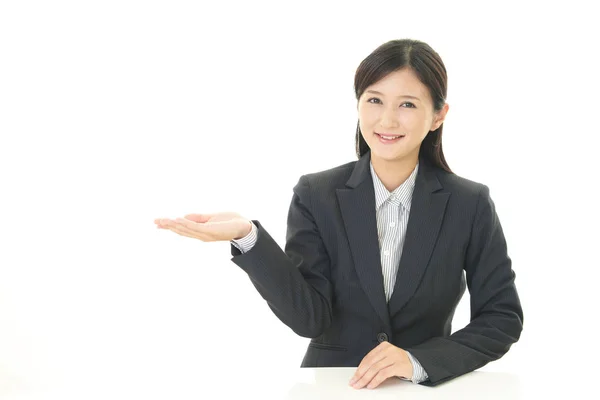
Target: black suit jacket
327, 283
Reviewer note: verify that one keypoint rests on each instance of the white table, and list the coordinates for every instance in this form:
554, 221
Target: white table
297, 384
332, 383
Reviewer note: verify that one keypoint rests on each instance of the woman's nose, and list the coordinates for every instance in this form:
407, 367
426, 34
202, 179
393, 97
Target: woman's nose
388, 119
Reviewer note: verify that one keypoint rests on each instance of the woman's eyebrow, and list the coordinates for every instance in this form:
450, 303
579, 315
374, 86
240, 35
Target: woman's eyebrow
403, 95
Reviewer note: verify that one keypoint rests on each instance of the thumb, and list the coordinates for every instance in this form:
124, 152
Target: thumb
198, 217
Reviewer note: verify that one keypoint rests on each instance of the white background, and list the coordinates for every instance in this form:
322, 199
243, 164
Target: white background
114, 113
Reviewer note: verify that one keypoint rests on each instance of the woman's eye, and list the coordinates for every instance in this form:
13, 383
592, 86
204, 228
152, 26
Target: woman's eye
375, 100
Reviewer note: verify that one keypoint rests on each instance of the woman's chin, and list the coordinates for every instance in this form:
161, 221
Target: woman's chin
393, 155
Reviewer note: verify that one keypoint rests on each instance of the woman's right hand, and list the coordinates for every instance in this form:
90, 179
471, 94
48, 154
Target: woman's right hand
224, 226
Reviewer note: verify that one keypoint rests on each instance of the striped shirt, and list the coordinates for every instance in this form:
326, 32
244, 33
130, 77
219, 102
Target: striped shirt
392, 210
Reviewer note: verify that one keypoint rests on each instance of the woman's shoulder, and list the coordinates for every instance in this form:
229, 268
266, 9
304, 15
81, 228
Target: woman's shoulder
461, 185
328, 180
336, 176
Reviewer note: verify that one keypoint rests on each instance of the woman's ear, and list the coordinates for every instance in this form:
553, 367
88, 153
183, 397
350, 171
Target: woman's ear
439, 117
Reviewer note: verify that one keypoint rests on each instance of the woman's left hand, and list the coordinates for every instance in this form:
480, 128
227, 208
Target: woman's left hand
383, 362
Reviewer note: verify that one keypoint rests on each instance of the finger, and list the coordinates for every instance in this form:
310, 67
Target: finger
189, 224
373, 371
200, 218
197, 231
159, 225
186, 229
179, 228
208, 230
381, 376
372, 357
184, 232
163, 221
192, 229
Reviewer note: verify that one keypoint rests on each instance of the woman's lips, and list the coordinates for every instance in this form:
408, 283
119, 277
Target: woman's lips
388, 141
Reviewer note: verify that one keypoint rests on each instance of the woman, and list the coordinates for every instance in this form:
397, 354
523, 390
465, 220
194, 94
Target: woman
379, 251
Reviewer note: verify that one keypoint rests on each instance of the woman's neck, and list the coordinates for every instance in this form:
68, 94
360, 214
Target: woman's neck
393, 173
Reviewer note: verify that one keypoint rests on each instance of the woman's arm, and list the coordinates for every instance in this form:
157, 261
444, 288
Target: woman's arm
496, 313
295, 283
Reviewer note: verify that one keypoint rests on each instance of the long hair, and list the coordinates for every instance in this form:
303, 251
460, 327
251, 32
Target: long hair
429, 68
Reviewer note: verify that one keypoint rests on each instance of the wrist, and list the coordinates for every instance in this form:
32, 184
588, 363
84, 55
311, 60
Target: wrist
245, 232
408, 367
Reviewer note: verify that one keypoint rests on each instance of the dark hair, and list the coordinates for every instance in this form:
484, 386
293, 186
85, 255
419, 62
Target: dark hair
429, 68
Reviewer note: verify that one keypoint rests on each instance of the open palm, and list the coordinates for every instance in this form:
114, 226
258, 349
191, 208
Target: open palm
223, 226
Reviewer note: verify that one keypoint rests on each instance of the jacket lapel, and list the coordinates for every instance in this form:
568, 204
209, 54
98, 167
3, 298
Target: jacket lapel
357, 205
426, 214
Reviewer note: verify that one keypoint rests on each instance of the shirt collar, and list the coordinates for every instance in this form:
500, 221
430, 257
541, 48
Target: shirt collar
402, 195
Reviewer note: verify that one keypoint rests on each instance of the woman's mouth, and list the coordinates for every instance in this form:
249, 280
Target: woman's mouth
388, 139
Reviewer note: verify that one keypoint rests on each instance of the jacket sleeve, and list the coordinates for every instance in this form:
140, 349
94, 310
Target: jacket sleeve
295, 282
496, 314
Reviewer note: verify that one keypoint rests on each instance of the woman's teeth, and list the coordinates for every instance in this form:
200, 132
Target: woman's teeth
386, 138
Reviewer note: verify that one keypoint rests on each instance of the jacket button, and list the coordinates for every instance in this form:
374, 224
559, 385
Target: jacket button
382, 337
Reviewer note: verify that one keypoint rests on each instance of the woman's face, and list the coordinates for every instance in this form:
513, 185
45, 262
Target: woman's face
397, 105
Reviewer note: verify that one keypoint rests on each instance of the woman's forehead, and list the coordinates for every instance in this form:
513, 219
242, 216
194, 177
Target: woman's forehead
403, 83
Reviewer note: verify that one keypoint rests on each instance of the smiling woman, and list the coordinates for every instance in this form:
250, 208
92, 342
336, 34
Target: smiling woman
379, 251
395, 116
401, 91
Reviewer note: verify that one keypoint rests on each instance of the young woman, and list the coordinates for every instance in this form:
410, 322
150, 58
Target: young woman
379, 251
